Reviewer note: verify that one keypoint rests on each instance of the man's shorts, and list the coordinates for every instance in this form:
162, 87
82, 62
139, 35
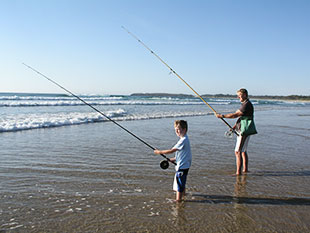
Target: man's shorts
242, 143
180, 180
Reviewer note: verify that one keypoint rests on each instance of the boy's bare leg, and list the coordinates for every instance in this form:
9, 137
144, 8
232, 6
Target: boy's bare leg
178, 196
245, 160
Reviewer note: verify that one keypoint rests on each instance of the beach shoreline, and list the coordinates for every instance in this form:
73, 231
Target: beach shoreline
96, 177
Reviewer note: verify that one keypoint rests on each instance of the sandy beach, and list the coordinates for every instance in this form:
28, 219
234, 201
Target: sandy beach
96, 178
90, 88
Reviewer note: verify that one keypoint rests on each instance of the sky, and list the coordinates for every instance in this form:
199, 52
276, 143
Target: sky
217, 46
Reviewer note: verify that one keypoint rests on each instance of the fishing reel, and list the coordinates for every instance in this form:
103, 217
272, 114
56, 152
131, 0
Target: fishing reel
229, 134
164, 164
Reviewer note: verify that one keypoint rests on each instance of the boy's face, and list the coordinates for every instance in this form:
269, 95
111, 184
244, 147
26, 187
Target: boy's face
179, 131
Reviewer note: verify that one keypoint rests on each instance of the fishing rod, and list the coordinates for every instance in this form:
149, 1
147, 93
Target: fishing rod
199, 96
164, 164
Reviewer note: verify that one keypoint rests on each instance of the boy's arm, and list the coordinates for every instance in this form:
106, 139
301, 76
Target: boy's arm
172, 159
165, 151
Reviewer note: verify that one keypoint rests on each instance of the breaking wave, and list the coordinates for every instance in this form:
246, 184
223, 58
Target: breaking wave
21, 122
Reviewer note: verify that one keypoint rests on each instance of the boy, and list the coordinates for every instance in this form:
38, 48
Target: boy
183, 158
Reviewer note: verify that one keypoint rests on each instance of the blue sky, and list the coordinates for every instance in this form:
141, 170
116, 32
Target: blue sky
217, 46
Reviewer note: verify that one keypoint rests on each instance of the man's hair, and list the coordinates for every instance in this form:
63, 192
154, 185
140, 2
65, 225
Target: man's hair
181, 123
243, 91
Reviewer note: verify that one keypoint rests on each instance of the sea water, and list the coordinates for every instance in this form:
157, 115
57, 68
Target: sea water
66, 168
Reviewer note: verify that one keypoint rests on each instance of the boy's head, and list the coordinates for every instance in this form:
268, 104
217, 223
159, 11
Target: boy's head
181, 125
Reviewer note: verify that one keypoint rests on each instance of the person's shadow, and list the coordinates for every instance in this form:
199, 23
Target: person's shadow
241, 197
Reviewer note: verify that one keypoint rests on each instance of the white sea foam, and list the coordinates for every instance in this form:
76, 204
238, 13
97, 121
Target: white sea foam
75, 102
18, 122
56, 98
41, 103
52, 100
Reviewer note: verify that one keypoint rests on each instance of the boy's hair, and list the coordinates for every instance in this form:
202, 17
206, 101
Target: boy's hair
243, 91
181, 123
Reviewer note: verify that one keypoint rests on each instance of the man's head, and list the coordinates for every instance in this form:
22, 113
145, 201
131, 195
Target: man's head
242, 94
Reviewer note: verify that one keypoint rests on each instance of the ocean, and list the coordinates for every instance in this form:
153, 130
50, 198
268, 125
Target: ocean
66, 168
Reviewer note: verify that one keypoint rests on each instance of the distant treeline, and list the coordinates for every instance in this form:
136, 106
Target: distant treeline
162, 95
272, 97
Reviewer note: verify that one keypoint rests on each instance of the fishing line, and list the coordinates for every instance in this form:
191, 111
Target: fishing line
172, 71
163, 164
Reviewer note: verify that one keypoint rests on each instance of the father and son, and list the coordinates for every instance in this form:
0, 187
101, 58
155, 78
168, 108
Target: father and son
244, 127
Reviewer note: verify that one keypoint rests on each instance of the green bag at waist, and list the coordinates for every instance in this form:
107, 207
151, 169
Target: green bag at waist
247, 126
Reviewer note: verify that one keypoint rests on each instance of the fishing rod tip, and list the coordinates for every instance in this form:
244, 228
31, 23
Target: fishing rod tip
25, 64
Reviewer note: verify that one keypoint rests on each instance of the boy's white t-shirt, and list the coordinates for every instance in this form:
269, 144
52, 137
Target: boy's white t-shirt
183, 154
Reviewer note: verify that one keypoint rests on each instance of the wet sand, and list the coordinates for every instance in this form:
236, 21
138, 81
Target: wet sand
97, 178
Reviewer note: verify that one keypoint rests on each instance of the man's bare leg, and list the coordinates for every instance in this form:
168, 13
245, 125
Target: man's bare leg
245, 160
238, 162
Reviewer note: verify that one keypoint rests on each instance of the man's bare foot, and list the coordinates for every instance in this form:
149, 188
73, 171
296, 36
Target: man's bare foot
236, 174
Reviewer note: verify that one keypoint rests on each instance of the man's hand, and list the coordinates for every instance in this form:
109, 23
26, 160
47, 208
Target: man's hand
157, 152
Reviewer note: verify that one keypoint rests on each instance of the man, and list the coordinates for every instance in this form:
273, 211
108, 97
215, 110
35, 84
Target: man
245, 127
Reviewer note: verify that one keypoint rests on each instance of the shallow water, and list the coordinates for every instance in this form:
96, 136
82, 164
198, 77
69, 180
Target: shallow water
97, 178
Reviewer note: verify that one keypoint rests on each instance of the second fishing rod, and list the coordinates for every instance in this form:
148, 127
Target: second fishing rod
163, 164
199, 96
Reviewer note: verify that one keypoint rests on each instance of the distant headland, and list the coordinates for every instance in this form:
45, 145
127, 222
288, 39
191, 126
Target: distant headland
218, 96
268, 97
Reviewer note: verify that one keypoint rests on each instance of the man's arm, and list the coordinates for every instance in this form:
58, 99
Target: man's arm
236, 114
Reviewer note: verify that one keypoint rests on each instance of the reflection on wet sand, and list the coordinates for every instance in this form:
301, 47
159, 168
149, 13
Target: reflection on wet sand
223, 199
240, 215
177, 212
281, 173
240, 186
242, 197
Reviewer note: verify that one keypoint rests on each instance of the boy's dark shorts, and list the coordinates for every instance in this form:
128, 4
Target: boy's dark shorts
180, 179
